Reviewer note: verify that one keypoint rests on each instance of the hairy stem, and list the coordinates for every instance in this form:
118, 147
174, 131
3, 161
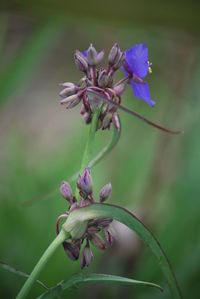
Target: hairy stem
41, 264
89, 146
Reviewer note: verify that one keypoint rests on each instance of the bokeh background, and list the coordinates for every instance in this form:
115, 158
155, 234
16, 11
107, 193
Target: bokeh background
155, 175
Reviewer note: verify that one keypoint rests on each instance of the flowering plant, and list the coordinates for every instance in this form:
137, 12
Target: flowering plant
87, 221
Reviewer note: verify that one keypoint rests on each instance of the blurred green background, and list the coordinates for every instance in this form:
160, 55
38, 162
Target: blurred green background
155, 175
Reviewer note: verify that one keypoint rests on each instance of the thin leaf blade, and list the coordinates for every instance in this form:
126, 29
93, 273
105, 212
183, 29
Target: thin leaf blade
81, 279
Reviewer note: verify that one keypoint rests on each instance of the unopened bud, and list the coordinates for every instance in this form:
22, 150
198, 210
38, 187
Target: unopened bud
103, 222
119, 62
68, 91
72, 250
80, 61
105, 192
116, 121
114, 54
110, 235
66, 191
98, 242
107, 121
87, 117
100, 56
67, 84
85, 181
103, 78
120, 88
92, 56
86, 256
84, 203
71, 101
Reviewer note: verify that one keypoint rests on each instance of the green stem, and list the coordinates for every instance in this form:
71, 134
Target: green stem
42, 263
89, 146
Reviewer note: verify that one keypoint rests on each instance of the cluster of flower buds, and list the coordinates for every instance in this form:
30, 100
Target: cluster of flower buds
99, 232
97, 89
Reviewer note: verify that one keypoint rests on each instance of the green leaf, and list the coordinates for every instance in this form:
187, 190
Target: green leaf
81, 278
106, 150
10, 268
126, 217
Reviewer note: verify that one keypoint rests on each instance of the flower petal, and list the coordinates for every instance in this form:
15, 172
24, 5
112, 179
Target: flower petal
141, 90
137, 59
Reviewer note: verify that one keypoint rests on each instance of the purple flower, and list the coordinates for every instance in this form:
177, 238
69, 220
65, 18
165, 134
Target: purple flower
137, 65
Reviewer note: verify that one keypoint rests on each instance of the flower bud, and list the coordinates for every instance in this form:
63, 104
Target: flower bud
119, 62
87, 117
103, 78
100, 56
92, 56
80, 61
66, 191
85, 181
114, 54
105, 192
116, 121
71, 101
72, 249
67, 84
98, 242
68, 91
84, 203
103, 222
110, 235
120, 88
86, 256
106, 121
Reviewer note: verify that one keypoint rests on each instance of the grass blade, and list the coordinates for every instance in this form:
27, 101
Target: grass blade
81, 279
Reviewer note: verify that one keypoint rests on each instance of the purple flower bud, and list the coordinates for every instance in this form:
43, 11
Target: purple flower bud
72, 249
100, 56
114, 54
116, 121
86, 256
66, 191
105, 192
107, 121
67, 84
110, 234
80, 61
97, 241
92, 56
87, 117
103, 222
68, 91
71, 101
85, 181
103, 78
84, 203
119, 89
119, 62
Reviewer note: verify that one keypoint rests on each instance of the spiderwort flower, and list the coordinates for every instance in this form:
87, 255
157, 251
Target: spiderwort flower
137, 65
97, 88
